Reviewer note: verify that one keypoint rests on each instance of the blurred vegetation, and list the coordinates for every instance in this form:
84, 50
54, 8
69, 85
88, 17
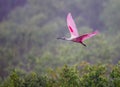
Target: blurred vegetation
80, 75
28, 43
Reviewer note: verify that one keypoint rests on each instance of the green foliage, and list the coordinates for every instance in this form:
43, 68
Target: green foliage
30, 80
28, 34
28, 43
94, 76
115, 76
69, 77
13, 80
34, 80
83, 75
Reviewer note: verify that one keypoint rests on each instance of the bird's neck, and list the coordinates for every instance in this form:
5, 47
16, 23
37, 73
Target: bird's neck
64, 38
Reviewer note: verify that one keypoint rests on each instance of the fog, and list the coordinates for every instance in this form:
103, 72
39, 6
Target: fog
29, 28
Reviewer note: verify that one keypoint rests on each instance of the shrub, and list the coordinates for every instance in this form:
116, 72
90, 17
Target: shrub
85, 75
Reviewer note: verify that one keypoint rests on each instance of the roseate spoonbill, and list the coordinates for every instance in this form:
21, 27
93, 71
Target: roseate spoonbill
75, 37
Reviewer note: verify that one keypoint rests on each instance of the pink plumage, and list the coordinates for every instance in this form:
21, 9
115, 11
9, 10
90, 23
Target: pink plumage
75, 37
88, 35
71, 26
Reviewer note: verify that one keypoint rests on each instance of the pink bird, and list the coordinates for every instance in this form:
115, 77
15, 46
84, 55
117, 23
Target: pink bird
75, 37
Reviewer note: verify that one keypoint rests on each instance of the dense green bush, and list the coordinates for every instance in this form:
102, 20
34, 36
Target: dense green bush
80, 75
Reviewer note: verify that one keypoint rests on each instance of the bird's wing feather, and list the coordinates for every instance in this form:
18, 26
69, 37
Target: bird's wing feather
71, 26
89, 35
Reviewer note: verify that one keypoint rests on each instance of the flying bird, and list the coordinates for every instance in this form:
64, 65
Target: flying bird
75, 37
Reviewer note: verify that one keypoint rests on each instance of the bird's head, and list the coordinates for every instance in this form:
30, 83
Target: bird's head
62, 38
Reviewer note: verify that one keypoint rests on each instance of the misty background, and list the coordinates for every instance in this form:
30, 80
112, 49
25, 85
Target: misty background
29, 28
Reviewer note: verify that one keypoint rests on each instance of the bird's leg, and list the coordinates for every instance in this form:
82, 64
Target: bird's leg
83, 44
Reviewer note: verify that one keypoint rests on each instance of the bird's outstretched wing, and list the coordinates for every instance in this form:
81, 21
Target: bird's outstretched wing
89, 35
71, 26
